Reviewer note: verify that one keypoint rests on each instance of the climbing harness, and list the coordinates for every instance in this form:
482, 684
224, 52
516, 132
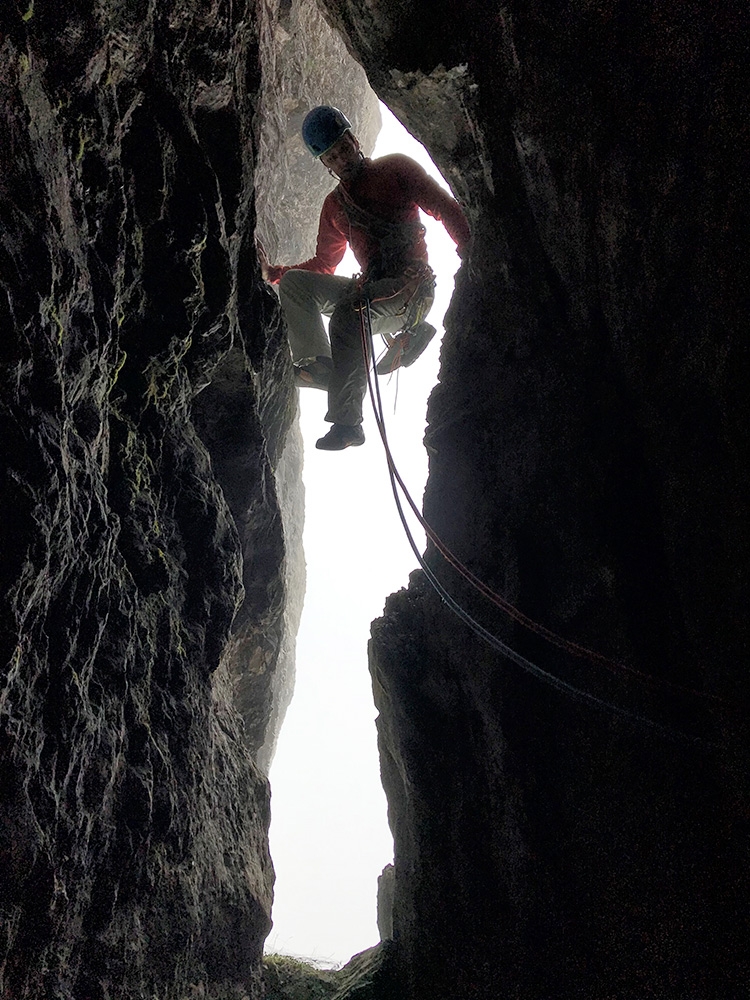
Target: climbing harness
419, 286
490, 638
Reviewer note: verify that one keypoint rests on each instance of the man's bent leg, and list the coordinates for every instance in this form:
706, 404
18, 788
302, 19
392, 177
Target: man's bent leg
409, 310
349, 379
306, 296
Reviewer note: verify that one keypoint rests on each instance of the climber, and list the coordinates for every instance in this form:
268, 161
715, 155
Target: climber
375, 209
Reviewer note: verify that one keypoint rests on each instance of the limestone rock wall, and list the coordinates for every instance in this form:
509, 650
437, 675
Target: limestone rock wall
151, 563
587, 444
150, 462
133, 853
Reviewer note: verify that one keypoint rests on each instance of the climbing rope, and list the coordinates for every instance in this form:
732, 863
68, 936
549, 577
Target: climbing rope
490, 638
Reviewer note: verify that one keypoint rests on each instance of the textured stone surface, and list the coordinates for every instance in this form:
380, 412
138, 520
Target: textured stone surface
133, 858
587, 442
151, 567
366, 976
386, 883
588, 449
286, 978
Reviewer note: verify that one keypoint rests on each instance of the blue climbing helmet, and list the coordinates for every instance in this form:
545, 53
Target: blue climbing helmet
322, 127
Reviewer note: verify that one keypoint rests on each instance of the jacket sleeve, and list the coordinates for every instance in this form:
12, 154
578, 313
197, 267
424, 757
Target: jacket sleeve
437, 202
330, 247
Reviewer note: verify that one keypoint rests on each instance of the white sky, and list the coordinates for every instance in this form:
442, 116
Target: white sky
329, 832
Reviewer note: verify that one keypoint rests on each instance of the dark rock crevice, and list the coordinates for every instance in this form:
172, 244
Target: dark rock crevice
585, 441
151, 485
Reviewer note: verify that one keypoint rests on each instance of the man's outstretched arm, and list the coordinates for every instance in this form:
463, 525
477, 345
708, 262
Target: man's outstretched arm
330, 248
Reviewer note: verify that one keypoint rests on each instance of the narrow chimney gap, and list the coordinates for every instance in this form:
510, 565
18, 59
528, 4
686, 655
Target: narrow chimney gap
329, 834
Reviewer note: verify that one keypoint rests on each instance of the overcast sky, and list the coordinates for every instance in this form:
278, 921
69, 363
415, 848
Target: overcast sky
329, 831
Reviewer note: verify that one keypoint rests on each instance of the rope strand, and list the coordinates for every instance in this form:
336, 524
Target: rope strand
492, 640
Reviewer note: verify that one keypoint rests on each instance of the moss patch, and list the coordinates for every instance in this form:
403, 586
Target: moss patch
287, 978
365, 977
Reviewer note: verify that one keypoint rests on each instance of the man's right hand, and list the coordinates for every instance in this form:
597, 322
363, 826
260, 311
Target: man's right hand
262, 260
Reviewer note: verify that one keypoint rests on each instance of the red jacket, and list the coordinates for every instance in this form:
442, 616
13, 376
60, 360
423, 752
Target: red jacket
392, 188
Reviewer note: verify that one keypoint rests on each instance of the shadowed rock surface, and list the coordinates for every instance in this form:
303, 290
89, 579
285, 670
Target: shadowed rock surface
367, 976
134, 839
588, 442
150, 460
588, 448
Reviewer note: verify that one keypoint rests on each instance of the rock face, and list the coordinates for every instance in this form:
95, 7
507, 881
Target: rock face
150, 497
134, 855
580, 833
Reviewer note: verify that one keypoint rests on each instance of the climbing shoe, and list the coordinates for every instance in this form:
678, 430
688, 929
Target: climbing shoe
341, 436
406, 348
313, 373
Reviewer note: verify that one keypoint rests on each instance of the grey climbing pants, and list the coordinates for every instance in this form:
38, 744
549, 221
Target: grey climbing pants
307, 296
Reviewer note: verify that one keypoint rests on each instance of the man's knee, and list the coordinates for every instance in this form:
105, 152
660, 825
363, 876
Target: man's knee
289, 284
345, 321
